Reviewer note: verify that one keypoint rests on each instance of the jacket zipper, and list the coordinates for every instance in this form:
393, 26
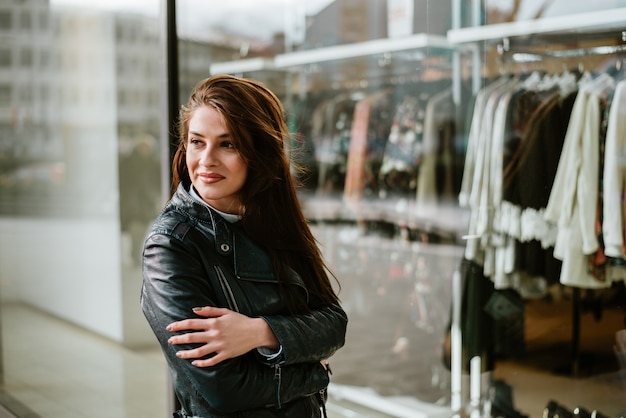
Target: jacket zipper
232, 304
228, 291
322, 398
277, 381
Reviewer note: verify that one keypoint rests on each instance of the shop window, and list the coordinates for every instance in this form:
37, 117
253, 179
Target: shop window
44, 59
26, 95
43, 21
26, 21
5, 19
5, 96
26, 57
5, 57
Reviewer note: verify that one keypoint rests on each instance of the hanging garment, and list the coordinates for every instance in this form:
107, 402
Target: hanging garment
614, 176
404, 148
476, 193
496, 246
436, 150
477, 325
509, 120
367, 131
573, 199
529, 177
473, 140
331, 138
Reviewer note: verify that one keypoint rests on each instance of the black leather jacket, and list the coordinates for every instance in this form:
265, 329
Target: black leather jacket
193, 257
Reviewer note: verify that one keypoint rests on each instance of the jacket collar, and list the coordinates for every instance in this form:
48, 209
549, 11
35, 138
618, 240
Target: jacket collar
250, 260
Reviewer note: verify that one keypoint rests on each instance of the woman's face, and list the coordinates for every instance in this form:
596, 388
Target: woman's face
215, 167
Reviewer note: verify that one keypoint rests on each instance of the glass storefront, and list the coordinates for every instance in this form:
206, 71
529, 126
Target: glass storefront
79, 183
449, 180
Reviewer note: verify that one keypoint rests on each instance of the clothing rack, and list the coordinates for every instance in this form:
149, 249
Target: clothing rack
522, 57
504, 48
508, 54
479, 36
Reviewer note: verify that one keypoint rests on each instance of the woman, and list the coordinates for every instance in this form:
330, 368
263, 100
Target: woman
233, 247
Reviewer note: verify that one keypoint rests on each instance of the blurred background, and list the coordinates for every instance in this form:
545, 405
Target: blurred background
384, 99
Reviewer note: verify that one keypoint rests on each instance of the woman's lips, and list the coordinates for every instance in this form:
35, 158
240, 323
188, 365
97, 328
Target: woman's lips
210, 177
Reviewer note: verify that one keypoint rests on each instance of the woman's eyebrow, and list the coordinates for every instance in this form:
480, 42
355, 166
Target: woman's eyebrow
195, 133
225, 135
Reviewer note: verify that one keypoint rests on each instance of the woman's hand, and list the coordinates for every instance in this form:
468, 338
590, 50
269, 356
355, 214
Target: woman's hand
226, 333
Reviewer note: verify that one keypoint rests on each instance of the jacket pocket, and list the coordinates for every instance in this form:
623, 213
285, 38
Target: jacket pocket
226, 289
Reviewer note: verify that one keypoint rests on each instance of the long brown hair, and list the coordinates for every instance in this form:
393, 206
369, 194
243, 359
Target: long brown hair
273, 217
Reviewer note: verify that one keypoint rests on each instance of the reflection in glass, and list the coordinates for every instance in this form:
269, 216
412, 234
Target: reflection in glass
377, 136
80, 92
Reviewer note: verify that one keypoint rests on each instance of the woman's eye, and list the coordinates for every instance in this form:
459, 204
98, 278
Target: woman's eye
228, 144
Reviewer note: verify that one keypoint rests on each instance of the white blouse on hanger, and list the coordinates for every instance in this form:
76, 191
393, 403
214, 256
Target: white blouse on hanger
573, 199
614, 175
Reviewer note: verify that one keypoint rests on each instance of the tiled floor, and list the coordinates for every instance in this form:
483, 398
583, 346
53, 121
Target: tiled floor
546, 371
100, 379
59, 370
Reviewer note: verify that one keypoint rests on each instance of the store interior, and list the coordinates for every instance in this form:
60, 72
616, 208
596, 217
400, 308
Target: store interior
466, 185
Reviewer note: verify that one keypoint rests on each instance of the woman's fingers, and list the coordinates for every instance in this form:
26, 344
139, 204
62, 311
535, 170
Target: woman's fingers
221, 333
190, 338
216, 359
198, 324
211, 311
194, 353
187, 324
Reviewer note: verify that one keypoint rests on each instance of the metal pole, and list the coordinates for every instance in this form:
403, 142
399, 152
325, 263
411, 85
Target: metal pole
456, 347
456, 56
477, 20
170, 105
475, 390
170, 99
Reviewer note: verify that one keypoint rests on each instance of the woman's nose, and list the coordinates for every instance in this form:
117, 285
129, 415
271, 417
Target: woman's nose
208, 156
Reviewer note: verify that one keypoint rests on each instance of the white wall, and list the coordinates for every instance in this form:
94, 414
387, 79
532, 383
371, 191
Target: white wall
70, 268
